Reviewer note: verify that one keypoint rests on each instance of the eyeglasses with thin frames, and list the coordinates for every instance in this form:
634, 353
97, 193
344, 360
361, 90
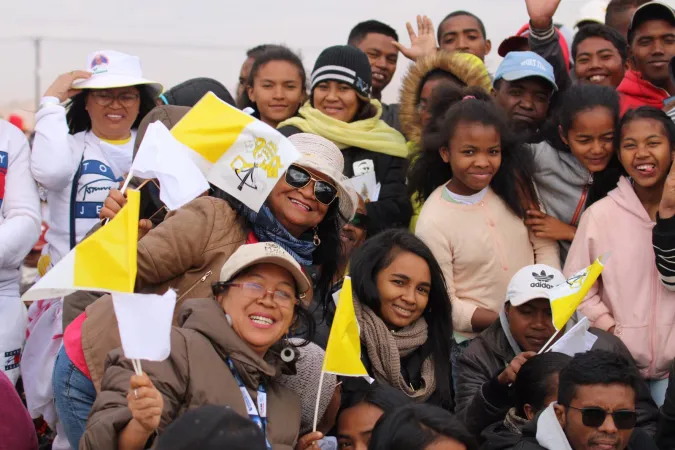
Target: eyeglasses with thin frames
106, 98
256, 291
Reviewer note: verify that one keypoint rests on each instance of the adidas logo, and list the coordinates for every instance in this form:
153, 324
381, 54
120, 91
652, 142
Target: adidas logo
542, 280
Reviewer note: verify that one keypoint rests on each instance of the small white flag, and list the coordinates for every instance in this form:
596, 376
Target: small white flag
144, 321
163, 157
576, 340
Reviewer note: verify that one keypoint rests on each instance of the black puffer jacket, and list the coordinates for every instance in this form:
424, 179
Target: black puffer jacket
393, 208
481, 401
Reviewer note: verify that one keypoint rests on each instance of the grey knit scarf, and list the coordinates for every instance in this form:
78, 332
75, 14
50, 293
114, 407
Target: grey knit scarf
385, 349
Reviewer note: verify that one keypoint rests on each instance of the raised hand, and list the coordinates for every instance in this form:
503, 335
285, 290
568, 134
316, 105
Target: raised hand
422, 43
541, 12
545, 226
508, 376
62, 87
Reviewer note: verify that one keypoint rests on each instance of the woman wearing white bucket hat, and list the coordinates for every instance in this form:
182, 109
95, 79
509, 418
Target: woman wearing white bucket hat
84, 138
84, 148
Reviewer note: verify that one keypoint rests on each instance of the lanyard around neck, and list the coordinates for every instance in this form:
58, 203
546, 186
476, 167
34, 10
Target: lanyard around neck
257, 415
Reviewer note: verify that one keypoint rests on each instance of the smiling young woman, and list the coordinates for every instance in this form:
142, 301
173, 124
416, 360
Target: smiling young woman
404, 314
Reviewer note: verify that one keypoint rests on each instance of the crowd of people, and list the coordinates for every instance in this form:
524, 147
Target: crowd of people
493, 189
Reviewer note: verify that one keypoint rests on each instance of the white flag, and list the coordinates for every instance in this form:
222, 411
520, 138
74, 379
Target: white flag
576, 340
163, 157
144, 321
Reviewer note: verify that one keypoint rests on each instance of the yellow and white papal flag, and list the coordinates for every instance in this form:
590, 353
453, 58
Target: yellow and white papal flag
237, 152
103, 262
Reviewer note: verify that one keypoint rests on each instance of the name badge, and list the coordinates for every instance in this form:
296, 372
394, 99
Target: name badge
363, 167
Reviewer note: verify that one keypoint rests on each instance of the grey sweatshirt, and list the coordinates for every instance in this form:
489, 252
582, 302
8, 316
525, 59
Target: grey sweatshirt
560, 179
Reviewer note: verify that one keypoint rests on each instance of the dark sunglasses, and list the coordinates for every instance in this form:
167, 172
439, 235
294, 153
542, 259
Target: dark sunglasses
298, 178
594, 417
360, 221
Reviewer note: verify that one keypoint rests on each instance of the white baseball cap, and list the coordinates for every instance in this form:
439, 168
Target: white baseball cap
532, 282
111, 69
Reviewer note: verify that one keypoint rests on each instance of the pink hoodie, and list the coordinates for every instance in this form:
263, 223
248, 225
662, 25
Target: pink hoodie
628, 294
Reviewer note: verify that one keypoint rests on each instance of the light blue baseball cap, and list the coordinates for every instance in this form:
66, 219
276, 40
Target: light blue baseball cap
519, 65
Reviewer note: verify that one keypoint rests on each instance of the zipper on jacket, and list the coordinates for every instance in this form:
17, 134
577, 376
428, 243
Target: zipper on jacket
194, 285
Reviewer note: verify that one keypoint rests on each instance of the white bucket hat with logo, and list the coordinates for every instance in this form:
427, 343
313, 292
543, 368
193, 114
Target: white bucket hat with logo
322, 155
110, 69
532, 282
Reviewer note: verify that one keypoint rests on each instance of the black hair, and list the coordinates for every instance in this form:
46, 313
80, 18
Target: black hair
580, 98
361, 30
383, 396
596, 367
377, 253
645, 112
438, 74
649, 113
418, 426
603, 32
481, 25
257, 50
209, 427
269, 54
535, 380
78, 118
617, 7
512, 182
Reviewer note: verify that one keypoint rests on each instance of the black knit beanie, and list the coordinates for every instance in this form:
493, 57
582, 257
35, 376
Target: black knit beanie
189, 92
345, 64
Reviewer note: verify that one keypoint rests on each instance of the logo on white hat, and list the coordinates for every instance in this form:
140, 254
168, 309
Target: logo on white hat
542, 280
99, 64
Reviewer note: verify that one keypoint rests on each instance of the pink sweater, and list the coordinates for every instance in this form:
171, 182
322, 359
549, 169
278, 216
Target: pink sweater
479, 247
628, 294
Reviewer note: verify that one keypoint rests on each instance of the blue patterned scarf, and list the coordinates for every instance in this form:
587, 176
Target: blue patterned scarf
267, 228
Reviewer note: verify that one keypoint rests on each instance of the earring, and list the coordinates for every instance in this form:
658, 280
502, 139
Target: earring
287, 353
316, 239
229, 319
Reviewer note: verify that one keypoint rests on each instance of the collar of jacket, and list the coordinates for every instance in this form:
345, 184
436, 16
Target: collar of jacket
495, 339
206, 317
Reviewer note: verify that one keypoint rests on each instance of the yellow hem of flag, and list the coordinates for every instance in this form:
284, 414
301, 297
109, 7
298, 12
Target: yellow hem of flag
343, 352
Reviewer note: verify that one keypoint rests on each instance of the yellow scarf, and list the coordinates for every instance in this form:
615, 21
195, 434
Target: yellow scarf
370, 134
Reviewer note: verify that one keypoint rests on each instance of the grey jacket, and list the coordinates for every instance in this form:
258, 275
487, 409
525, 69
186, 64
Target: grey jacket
479, 398
560, 180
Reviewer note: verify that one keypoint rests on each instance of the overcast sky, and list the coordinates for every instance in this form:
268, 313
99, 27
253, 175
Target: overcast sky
180, 39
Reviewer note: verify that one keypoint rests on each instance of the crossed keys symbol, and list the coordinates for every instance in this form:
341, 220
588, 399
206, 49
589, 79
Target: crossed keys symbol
265, 158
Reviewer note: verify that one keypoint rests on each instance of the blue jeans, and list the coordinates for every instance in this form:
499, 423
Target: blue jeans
74, 395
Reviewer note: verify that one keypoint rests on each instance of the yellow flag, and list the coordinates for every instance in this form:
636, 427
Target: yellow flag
566, 297
343, 352
211, 127
104, 261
